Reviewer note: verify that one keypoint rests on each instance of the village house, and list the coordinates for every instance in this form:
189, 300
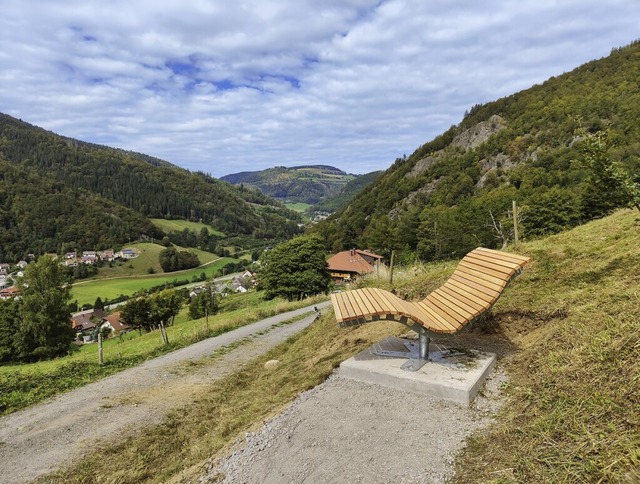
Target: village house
89, 257
106, 255
113, 323
86, 320
22, 264
127, 254
4, 269
9, 293
350, 264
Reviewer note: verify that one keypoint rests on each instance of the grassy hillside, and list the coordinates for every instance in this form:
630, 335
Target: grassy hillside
27, 384
179, 225
568, 333
86, 292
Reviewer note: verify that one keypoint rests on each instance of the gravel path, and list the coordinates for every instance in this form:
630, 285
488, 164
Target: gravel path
344, 431
39, 439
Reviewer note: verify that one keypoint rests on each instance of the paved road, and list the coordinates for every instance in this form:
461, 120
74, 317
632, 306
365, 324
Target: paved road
40, 439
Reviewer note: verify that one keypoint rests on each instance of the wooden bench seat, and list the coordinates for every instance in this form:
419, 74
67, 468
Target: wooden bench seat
472, 289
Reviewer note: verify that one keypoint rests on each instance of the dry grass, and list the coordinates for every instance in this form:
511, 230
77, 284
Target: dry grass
575, 383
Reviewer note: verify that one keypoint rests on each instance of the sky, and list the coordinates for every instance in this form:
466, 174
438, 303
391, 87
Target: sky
226, 86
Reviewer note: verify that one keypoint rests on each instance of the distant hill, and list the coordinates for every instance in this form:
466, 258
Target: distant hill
347, 193
455, 192
71, 182
310, 184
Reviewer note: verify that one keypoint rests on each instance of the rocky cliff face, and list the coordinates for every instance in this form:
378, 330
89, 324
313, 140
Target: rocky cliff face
474, 137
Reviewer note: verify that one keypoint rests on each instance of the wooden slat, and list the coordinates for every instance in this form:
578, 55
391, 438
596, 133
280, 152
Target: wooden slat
464, 292
465, 286
336, 307
518, 258
449, 306
389, 305
436, 322
477, 286
456, 300
371, 303
463, 295
485, 273
489, 267
500, 256
364, 301
351, 312
384, 303
373, 300
509, 266
450, 320
343, 312
482, 279
357, 302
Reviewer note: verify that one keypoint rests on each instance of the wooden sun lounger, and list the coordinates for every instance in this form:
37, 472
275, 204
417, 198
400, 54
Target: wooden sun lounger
472, 289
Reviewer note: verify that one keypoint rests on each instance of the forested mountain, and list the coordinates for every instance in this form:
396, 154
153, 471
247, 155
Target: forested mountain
347, 193
307, 184
455, 192
40, 215
114, 180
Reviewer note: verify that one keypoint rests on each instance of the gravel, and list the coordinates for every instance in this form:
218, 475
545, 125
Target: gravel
348, 431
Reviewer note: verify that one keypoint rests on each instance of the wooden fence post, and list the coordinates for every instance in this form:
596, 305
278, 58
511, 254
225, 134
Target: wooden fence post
100, 350
515, 223
393, 259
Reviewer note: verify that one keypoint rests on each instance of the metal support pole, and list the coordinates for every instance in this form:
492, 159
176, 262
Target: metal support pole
423, 340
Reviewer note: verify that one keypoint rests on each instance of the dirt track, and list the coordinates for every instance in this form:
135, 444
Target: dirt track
344, 431
39, 439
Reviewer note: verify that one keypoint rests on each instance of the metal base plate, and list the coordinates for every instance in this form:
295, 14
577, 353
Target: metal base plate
414, 364
412, 354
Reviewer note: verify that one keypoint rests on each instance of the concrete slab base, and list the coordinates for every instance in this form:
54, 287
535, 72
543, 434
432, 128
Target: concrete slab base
451, 374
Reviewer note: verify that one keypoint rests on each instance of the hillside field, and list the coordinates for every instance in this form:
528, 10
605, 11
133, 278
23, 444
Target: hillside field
86, 292
179, 225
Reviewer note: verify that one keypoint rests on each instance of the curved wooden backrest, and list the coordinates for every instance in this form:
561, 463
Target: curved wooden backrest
472, 289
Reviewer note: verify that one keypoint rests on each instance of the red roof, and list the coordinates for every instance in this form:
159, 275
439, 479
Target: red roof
114, 321
349, 261
9, 292
370, 254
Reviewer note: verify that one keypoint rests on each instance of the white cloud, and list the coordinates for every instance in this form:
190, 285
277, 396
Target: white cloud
230, 86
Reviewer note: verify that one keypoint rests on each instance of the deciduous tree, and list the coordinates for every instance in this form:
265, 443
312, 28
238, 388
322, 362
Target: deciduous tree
296, 269
45, 322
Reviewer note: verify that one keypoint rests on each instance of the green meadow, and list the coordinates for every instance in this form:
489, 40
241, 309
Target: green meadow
180, 225
86, 292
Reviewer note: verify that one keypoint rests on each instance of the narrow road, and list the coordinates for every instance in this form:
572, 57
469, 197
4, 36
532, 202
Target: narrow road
40, 439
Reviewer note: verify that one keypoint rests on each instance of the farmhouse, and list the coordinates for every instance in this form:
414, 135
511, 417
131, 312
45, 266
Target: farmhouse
349, 264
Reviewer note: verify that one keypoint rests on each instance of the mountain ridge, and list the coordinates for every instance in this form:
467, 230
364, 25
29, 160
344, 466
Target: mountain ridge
311, 184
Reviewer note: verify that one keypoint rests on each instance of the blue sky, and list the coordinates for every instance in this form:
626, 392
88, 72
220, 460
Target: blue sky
223, 87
